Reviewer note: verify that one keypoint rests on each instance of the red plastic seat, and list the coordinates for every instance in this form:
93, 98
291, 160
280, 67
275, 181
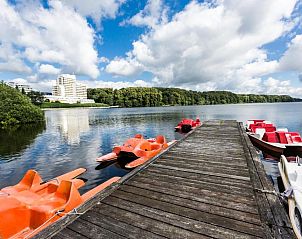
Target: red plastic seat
270, 137
282, 137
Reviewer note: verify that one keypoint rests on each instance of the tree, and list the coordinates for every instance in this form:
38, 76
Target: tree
16, 108
145, 97
36, 97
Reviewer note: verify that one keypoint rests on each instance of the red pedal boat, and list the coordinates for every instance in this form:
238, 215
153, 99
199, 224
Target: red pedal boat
272, 141
31, 205
138, 149
187, 125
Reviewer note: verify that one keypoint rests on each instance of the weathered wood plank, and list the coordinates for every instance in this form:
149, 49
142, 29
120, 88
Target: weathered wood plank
69, 234
209, 218
202, 192
200, 171
216, 160
204, 167
198, 184
245, 185
270, 207
145, 222
125, 229
197, 196
181, 222
196, 205
91, 230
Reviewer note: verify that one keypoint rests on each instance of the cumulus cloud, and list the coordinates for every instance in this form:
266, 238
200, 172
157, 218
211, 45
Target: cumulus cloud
35, 83
123, 67
300, 77
274, 86
292, 58
48, 69
97, 9
37, 34
217, 46
153, 14
116, 84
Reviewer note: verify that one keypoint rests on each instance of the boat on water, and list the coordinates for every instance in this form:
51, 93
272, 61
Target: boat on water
272, 141
258, 126
186, 125
33, 204
291, 174
136, 151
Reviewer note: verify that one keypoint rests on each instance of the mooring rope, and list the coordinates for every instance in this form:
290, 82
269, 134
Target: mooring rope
57, 213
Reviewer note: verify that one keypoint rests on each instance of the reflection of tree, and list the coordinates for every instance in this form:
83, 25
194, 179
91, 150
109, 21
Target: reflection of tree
13, 140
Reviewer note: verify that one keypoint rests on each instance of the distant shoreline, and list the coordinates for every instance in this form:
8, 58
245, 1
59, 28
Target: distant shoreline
58, 105
109, 107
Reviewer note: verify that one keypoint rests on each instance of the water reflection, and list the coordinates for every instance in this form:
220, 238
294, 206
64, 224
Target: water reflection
14, 140
71, 123
272, 171
74, 138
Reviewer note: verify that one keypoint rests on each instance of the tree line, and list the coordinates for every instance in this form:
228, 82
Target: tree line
157, 96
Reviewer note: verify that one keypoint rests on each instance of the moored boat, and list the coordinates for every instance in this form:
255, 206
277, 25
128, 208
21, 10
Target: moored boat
256, 126
32, 205
278, 143
137, 150
187, 125
291, 174
272, 141
32, 181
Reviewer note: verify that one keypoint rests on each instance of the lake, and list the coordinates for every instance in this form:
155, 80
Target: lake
73, 138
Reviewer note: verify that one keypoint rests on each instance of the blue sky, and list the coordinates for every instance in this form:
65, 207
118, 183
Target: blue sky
244, 47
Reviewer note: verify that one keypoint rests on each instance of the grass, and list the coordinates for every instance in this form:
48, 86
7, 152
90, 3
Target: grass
66, 105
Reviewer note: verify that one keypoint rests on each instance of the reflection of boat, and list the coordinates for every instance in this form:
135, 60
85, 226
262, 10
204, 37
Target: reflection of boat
278, 143
187, 125
291, 174
31, 205
137, 149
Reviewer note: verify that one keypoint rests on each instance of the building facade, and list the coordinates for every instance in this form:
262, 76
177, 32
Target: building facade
18, 86
67, 90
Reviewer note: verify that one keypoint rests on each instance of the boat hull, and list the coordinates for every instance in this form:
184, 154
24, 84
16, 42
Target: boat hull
292, 183
275, 150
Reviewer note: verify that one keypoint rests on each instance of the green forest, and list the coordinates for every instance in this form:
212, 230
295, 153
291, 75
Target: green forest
144, 97
16, 108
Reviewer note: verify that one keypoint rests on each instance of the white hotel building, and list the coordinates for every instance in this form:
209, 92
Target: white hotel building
67, 90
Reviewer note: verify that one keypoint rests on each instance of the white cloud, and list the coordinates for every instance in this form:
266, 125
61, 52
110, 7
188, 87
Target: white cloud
274, 86
55, 35
97, 9
291, 61
104, 59
116, 84
217, 46
123, 67
48, 69
35, 83
153, 14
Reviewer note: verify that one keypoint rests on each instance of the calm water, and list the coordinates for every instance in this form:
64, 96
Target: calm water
73, 138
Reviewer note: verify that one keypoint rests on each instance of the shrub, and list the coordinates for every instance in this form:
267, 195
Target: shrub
16, 108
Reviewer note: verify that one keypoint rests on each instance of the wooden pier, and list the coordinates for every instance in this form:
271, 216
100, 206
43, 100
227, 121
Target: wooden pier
211, 184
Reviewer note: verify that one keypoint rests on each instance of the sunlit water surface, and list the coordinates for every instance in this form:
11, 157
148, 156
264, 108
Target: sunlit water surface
73, 138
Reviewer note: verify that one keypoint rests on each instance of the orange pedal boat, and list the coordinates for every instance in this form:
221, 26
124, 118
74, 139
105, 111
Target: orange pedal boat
138, 149
31, 205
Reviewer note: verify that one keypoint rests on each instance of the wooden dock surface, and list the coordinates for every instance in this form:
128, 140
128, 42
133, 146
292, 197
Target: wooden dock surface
209, 185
